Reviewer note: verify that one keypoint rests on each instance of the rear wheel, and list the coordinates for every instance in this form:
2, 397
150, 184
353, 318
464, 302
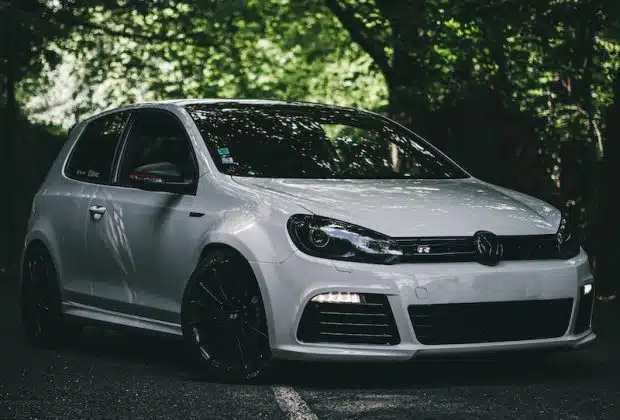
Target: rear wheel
41, 298
223, 318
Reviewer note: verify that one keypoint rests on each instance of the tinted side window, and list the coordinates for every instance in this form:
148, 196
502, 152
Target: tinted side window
157, 144
93, 155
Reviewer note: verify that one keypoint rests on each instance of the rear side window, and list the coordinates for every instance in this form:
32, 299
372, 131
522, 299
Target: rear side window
93, 155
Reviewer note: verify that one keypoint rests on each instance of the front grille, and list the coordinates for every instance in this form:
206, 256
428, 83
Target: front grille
461, 248
584, 312
370, 322
489, 322
448, 249
531, 247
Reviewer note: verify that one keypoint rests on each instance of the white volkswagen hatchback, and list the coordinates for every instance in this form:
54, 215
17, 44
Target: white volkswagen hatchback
261, 230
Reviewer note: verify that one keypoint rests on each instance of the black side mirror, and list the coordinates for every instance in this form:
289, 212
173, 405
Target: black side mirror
161, 176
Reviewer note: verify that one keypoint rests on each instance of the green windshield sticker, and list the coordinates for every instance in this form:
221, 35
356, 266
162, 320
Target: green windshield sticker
223, 151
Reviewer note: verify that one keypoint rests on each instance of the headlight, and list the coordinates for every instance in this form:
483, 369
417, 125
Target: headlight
567, 239
328, 238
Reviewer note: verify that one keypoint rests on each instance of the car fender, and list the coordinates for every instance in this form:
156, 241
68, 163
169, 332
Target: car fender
257, 240
43, 232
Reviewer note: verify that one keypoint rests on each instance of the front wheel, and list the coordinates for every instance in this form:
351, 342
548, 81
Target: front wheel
223, 318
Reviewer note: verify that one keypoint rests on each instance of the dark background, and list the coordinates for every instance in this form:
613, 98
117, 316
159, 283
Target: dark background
525, 94
522, 93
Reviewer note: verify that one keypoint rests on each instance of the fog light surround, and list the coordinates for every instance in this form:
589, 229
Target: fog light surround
585, 309
338, 297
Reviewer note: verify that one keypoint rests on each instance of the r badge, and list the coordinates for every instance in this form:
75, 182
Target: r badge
423, 249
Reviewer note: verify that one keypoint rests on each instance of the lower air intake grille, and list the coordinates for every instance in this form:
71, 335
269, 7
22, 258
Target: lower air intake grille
370, 322
489, 322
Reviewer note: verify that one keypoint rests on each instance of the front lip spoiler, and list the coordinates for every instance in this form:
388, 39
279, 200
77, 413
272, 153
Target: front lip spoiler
513, 347
588, 339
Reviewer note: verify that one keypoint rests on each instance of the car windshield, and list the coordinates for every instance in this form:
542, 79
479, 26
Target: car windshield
303, 141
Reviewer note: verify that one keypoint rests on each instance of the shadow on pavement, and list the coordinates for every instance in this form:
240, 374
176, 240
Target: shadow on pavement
125, 346
444, 373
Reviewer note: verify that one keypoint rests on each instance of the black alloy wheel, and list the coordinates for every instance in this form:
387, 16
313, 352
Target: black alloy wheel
40, 298
223, 318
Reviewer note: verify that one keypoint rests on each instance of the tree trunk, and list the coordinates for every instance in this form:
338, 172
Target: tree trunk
608, 224
8, 254
404, 107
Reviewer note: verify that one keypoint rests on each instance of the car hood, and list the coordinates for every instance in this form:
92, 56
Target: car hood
406, 208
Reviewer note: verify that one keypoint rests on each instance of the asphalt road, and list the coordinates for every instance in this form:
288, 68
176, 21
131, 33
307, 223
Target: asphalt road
127, 375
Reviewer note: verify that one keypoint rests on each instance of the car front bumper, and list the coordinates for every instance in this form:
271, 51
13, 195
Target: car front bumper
289, 286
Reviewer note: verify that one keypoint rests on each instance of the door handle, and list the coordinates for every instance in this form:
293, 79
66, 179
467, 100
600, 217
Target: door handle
96, 211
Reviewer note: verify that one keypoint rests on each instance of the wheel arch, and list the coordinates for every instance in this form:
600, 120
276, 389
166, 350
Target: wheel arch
231, 245
42, 237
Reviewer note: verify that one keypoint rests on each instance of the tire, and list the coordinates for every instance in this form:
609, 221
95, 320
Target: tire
223, 318
40, 299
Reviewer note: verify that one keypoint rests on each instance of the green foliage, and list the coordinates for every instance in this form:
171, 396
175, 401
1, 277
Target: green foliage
517, 91
504, 85
245, 49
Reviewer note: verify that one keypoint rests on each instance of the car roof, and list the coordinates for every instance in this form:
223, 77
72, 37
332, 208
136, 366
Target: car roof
209, 101
166, 104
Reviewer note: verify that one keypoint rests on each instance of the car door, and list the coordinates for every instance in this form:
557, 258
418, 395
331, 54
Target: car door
89, 166
146, 245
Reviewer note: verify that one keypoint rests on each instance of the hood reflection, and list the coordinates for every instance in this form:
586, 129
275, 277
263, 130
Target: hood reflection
415, 207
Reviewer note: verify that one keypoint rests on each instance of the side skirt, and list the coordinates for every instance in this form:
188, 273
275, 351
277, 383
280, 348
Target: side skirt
117, 318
